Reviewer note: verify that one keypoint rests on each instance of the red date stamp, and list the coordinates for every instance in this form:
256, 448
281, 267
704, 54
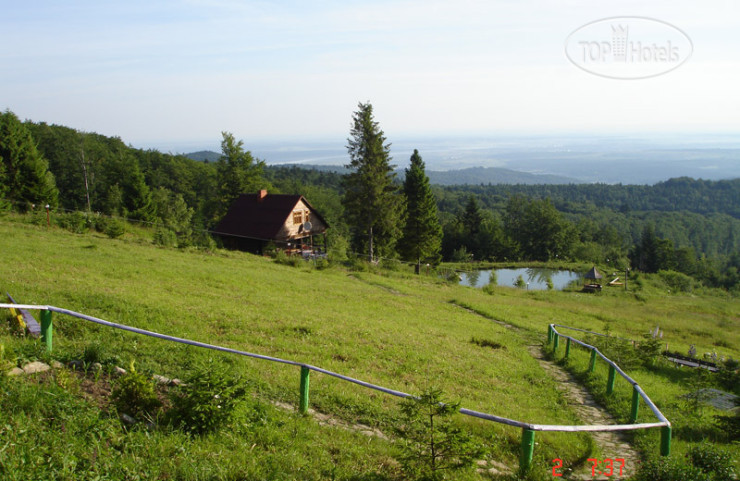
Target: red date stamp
605, 467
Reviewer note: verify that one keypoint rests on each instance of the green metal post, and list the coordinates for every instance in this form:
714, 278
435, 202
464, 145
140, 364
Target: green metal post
305, 374
567, 347
46, 329
549, 334
525, 459
665, 441
635, 405
592, 362
610, 380
556, 338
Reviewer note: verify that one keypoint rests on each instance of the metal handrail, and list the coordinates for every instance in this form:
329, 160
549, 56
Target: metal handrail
528, 429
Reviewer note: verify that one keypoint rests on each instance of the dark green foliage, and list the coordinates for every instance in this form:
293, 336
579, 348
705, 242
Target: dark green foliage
431, 443
372, 204
702, 463
422, 233
712, 460
649, 349
487, 343
134, 394
537, 229
114, 228
24, 173
237, 172
165, 237
208, 398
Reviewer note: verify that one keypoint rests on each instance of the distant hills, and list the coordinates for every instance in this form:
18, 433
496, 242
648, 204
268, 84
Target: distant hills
204, 156
468, 176
495, 175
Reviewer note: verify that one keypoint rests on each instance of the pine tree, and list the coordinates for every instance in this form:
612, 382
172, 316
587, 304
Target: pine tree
422, 233
372, 203
237, 172
24, 173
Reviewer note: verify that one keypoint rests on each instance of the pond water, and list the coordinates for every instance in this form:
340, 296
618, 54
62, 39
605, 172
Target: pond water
535, 277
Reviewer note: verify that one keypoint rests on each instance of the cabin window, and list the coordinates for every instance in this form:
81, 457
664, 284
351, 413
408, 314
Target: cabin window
308, 216
297, 217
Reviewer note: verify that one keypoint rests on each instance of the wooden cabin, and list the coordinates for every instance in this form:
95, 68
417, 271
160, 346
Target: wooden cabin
286, 221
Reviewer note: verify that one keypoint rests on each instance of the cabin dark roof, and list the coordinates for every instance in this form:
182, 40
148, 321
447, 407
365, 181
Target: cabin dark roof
259, 217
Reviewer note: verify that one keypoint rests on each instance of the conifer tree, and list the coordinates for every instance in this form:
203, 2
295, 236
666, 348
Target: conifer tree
422, 232
237, 172
24, 172
372, 203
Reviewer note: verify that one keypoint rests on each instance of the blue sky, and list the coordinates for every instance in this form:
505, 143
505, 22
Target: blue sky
168, 73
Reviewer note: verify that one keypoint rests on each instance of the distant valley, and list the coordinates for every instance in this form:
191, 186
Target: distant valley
536, 160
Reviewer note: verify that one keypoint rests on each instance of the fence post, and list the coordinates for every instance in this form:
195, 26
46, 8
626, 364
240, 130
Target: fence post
556, 339
567, 347
592, 361
549, 334
303, 405
46, 329
665, 441
525, 459
635, 405
610, 380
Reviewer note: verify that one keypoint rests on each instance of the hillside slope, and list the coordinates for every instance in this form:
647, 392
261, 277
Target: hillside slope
399, 331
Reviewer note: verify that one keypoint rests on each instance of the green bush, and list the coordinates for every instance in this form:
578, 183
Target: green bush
165, 237
76, 222
114, 228
712, 460
702, 463
677, 281
134, 394
431, 443
207, 399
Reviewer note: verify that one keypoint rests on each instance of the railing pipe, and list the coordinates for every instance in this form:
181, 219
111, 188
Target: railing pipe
528, 429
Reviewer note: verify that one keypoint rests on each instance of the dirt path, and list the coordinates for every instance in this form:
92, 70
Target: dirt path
612, 444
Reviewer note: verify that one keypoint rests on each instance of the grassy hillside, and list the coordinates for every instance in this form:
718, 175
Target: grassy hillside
392, 329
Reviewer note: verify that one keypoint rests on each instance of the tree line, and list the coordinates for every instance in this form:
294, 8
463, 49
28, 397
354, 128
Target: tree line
682, 225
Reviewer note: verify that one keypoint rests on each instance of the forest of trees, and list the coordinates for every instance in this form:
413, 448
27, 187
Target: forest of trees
682, 225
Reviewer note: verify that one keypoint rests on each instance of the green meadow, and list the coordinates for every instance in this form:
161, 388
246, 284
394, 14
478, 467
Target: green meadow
387, 327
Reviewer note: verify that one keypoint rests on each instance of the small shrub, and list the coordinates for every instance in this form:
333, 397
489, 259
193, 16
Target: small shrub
134, 394
165, 237
93, 353
487, 343
649, 349
114, 228
677, 281
669, 469
519, 282
203, 240
712, 460
431, 443
550, 285
207, 400
322, 263
356, 264
76, 222
282, 258
390, 264
489, 288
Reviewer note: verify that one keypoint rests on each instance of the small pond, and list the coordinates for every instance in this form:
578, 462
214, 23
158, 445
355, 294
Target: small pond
535, 277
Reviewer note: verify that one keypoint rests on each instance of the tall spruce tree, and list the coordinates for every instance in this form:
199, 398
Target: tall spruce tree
372, 203
237, 172
24, 172
422, 233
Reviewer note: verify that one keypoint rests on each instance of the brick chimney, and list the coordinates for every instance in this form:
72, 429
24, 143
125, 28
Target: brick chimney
261, 196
